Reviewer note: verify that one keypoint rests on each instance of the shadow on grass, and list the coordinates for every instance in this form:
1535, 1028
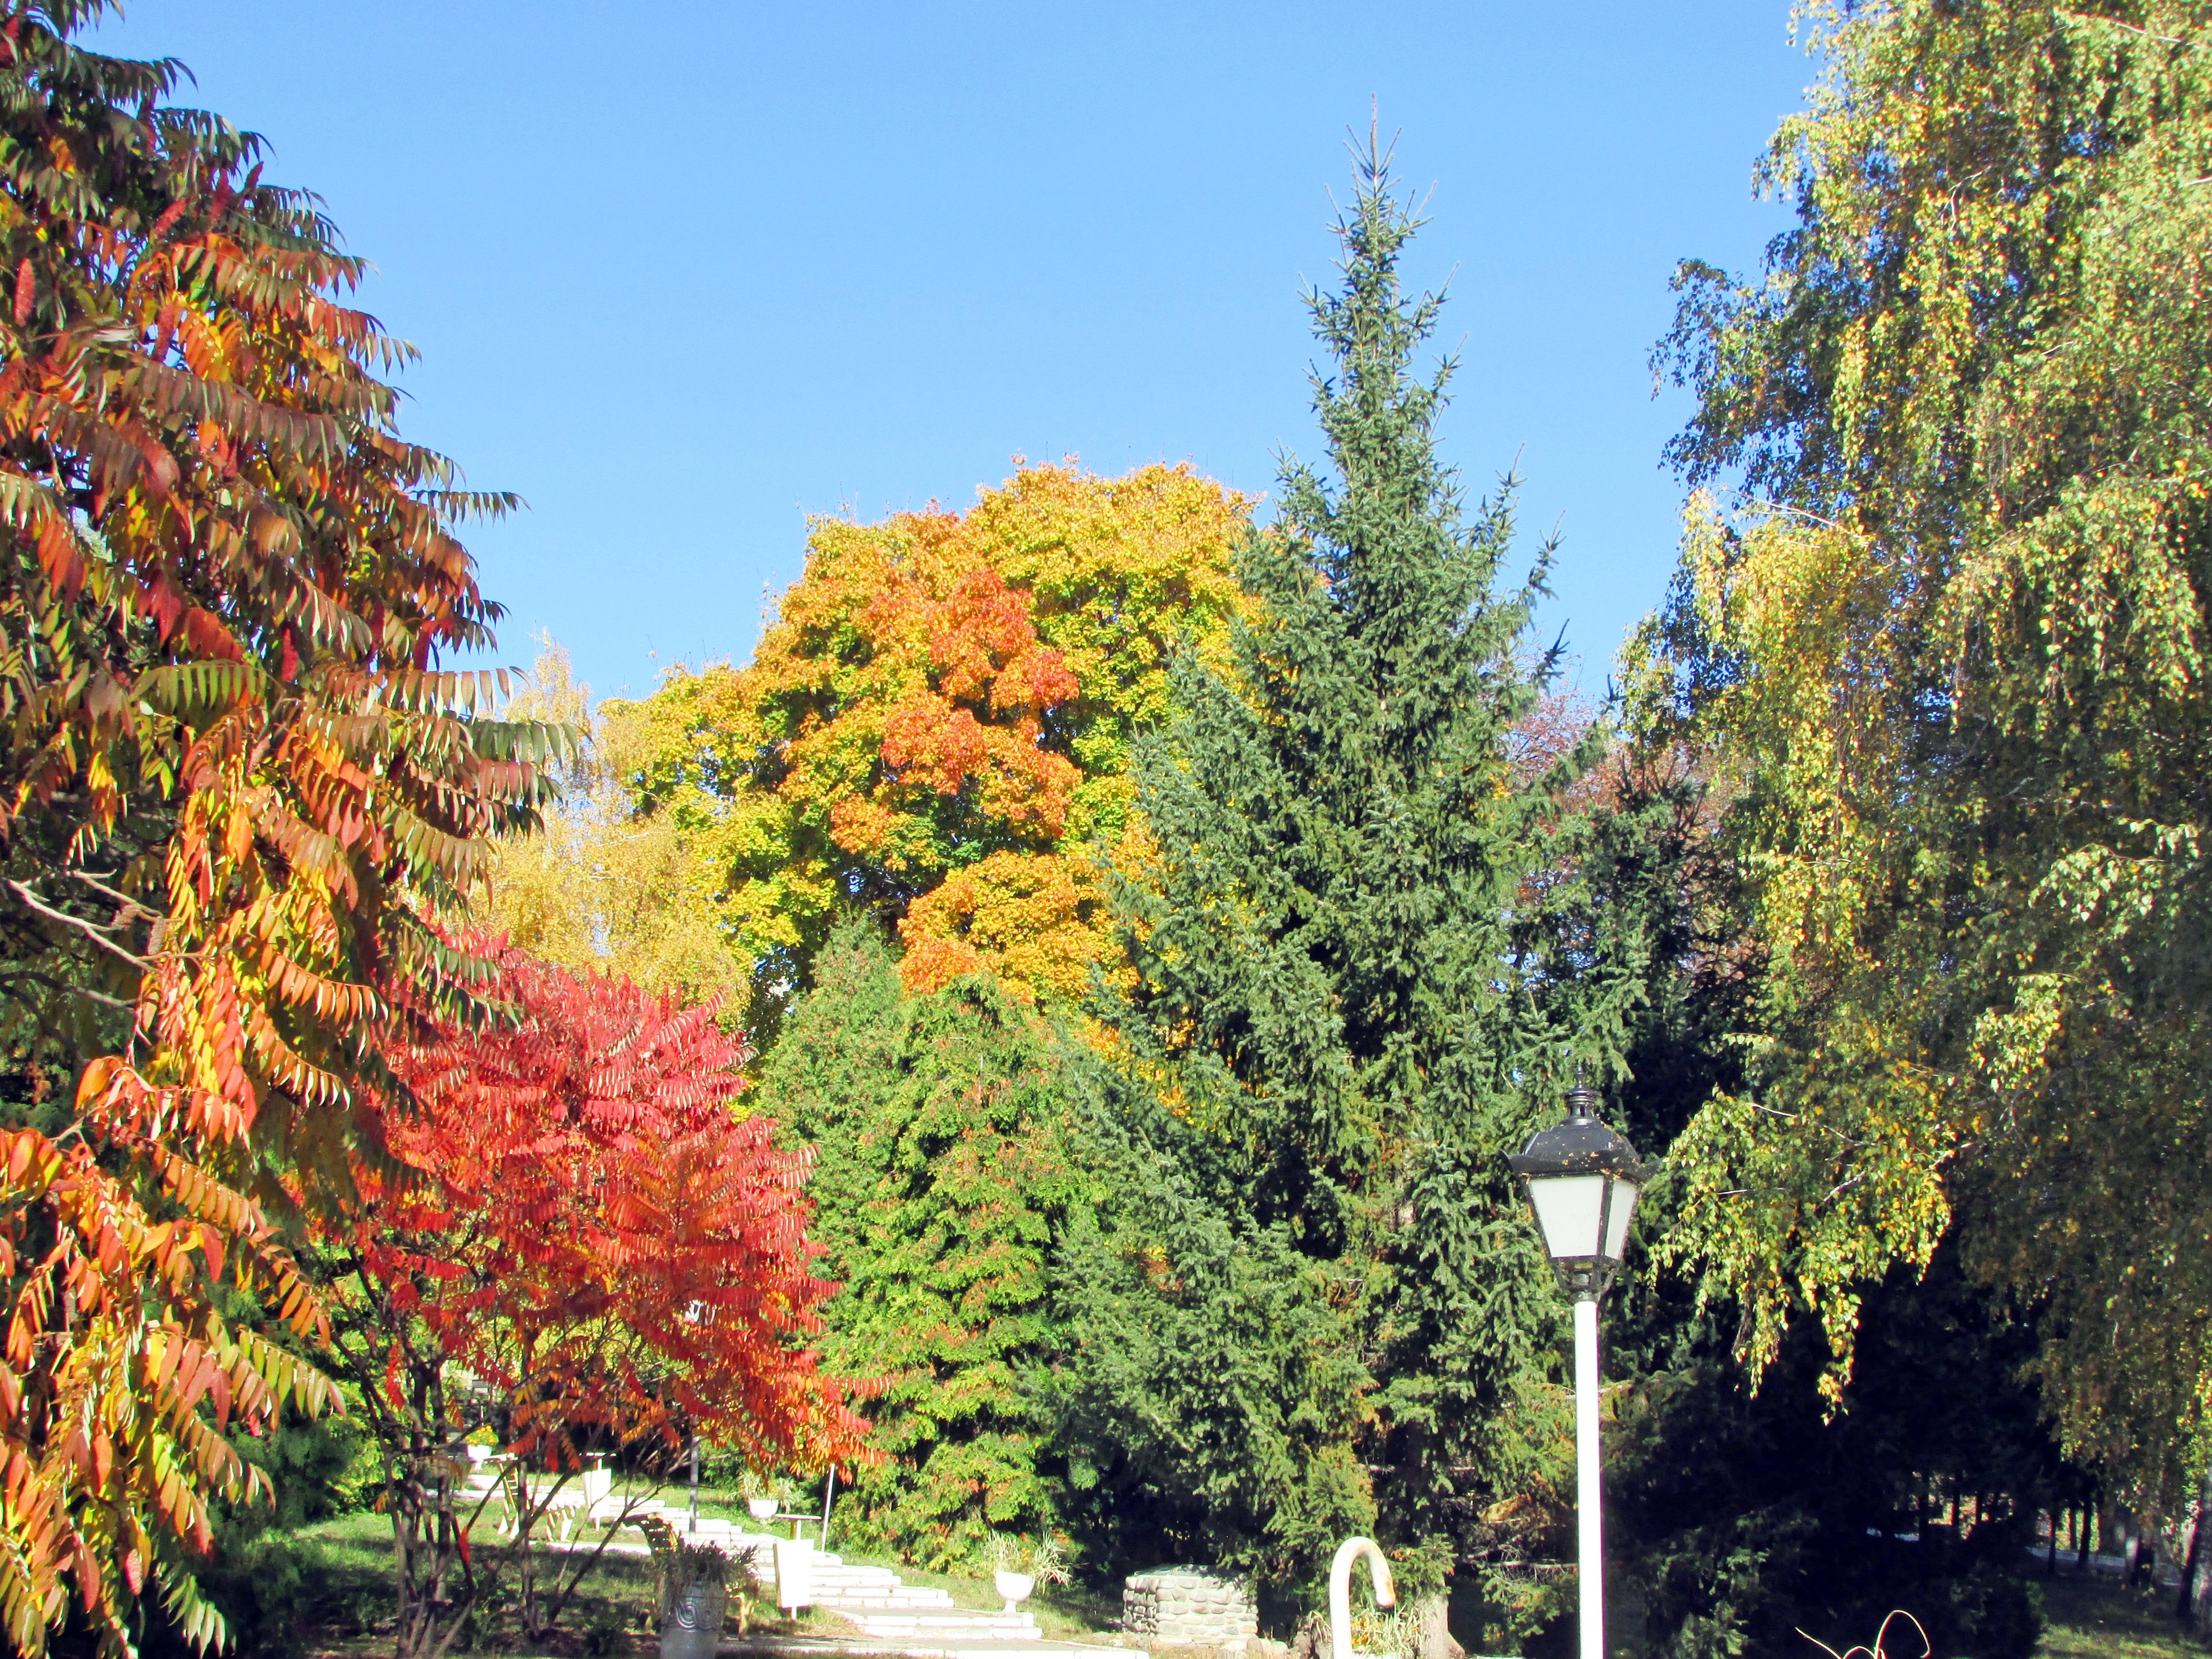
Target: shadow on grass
2098, 1619
340, 1605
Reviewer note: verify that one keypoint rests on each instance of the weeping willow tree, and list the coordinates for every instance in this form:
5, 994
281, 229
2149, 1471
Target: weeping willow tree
1946, 650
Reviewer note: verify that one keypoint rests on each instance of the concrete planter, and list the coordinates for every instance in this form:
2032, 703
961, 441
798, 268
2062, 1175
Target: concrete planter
1016, 1587
693, 1623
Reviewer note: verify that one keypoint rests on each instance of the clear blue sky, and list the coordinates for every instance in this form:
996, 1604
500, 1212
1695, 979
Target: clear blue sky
682, 274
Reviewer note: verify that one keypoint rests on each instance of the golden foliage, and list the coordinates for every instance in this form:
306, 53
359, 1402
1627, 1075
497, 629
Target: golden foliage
231, 769
937, 725
596, 885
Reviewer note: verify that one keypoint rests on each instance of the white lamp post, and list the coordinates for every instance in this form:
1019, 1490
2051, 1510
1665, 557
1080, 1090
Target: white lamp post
1583, 1180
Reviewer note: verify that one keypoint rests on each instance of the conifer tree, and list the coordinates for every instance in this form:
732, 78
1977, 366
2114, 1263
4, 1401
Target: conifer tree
941, 1181
1316, 1305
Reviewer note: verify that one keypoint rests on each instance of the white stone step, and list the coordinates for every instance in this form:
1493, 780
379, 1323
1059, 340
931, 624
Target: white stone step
1018, 1624
803, 1648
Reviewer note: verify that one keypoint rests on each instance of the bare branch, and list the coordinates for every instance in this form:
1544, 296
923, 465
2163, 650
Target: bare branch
128, 910
91, 932
35, 977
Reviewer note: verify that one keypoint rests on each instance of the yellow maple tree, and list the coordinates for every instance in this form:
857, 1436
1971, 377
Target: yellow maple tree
937, 725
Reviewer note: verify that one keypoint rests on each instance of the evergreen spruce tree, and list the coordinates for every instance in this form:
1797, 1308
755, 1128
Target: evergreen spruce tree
1365, 967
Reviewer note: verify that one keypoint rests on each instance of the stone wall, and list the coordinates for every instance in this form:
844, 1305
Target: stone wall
1189, 1606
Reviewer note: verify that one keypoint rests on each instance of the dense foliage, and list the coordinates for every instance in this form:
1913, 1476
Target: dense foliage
1744, 1515
1315, 1306
1946, 659
1158, 926
937, 725
584, 1245
226, 750
942, 1182
598, 885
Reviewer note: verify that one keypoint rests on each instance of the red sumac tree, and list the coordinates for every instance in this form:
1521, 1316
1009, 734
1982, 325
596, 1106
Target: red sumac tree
577, 1225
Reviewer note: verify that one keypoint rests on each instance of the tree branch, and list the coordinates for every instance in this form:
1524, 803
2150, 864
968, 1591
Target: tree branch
88, 929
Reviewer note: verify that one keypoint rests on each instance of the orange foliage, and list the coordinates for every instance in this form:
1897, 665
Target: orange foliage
938, 724
226, 752
580, 1219
598, 1235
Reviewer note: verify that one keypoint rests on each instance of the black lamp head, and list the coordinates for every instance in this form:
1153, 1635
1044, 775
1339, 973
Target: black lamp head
1583, 1181
1583, 1144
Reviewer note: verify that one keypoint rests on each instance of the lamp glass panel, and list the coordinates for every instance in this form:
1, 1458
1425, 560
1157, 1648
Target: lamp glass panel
1618, 1218
1567, 1211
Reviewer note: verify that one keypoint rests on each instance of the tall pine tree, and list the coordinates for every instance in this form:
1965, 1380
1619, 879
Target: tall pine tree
1365, 966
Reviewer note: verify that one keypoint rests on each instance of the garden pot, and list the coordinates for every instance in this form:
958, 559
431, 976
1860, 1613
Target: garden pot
762, 1508
693, 1623
1014, 1586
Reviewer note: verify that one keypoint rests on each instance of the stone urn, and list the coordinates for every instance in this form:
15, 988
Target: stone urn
762, 1508
1016, 1587
693, 1623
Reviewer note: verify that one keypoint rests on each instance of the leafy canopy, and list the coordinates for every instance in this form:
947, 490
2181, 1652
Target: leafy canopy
577, 1218
233, 779
943, 1182
936, 726
1948, 657
596, 885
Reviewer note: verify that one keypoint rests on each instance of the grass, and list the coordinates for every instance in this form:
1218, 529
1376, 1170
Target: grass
351, 1565
609, 1616
347, 1613
2098, 1619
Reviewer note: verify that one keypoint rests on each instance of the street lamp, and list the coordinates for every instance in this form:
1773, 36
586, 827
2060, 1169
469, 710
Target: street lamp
1583, 1180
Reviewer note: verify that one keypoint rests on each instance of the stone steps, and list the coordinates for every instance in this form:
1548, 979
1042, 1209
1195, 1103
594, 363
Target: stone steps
889, 1615
907, 1602
941, 1628
806, 1648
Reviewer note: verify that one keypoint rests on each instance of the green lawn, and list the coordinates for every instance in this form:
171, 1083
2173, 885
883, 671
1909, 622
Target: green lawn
347, 1617
2100, 1620
351, 1561
345, 1606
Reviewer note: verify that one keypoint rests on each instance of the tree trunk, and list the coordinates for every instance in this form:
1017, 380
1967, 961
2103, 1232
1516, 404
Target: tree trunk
2189, 1563
2197, 1576
1432, 1637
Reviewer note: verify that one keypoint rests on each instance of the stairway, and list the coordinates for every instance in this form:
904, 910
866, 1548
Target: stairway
890, 1613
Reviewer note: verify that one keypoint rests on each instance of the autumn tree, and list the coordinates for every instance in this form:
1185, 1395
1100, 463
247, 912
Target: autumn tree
936, 726
942, 1184
1947, 651
577, 1218
233, 776
596, 885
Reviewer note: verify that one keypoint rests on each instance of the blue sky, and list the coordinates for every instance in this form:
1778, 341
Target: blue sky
682, 274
